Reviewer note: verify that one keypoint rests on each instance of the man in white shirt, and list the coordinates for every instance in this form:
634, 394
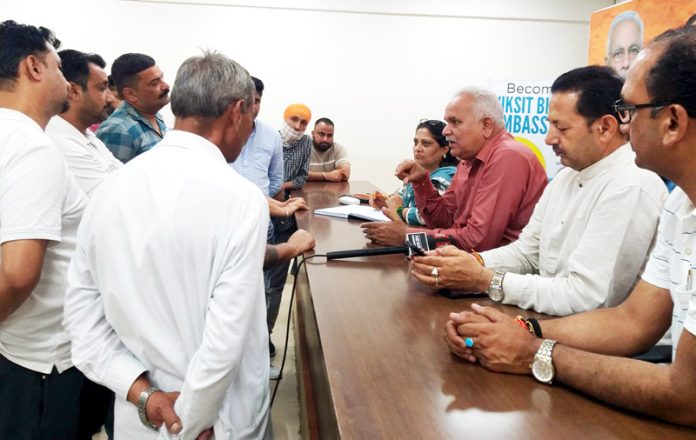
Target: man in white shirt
40, 209
588, 239
587, 351
89, 102
166, 289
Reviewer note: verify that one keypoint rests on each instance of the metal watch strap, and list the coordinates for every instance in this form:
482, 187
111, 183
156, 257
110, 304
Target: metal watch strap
544, 357
495, 289
142, 404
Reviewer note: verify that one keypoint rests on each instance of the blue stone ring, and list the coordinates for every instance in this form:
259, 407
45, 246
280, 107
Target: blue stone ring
469, 342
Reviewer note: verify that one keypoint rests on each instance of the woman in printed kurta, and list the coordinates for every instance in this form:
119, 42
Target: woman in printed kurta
430, 150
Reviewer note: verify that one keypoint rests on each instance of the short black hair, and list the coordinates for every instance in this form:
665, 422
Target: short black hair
673, 77
75, 65
598, 87
258, 85
127, 67
326, 121
18, 41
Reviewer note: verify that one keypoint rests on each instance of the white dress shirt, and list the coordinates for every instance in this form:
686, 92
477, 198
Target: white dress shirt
587, 241
167, 277
39, 200
88, 158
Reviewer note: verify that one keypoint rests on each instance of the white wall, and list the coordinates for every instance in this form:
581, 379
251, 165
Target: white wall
374, 67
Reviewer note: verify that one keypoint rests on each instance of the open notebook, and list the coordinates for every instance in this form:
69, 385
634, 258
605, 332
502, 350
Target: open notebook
360, 212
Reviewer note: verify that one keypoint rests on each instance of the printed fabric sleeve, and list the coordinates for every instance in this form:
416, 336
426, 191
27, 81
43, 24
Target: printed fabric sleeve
441, 180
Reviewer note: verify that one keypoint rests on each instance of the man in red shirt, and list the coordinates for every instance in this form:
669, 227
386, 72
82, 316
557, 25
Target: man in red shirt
497, 184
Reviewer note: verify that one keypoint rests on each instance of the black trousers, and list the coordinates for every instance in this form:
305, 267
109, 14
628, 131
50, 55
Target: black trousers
96, 405
37, 406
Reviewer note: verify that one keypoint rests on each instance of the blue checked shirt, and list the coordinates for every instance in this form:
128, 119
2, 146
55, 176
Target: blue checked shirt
127, 133
296, 163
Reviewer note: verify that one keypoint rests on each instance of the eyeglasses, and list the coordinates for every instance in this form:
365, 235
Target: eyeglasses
433, 123
625, 111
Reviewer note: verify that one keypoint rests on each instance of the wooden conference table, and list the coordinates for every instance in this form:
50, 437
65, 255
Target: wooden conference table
372, 363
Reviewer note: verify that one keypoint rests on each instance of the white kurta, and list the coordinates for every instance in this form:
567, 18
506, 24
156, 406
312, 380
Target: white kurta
167, 277
587, 241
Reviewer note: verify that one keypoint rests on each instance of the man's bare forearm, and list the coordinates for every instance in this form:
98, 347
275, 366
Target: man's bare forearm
315, 176
637, 385
277, 254
644, 317
20, 272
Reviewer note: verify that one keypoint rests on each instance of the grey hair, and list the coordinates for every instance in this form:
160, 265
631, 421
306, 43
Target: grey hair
625, 15
486, 105
206, 85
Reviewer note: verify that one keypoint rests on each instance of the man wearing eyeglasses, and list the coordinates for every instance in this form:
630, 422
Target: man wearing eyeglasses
586, 351
624, 41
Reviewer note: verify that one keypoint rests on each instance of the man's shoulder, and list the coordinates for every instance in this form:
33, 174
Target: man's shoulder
509, 146
265, 127
508, 151
676, 200
625, 172
265, 135
339, 151
22, 137
124, 118
118, 121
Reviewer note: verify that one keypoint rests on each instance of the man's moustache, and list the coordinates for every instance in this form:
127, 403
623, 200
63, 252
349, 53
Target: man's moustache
164, 94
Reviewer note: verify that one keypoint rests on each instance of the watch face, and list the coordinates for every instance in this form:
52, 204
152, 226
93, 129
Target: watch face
542, 371
496, 295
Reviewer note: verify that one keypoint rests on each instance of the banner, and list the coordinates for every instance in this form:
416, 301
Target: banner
526, 107
617, 33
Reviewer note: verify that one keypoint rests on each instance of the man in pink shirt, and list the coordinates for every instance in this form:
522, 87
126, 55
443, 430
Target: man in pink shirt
497, 184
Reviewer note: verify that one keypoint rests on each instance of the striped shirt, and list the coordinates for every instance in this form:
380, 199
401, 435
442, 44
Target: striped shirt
672, 264
329, 160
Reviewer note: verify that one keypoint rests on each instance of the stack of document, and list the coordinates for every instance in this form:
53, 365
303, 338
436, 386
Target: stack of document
360, 212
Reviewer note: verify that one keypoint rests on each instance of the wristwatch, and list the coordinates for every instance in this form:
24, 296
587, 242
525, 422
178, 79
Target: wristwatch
542, 366
142, 403
495, 289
